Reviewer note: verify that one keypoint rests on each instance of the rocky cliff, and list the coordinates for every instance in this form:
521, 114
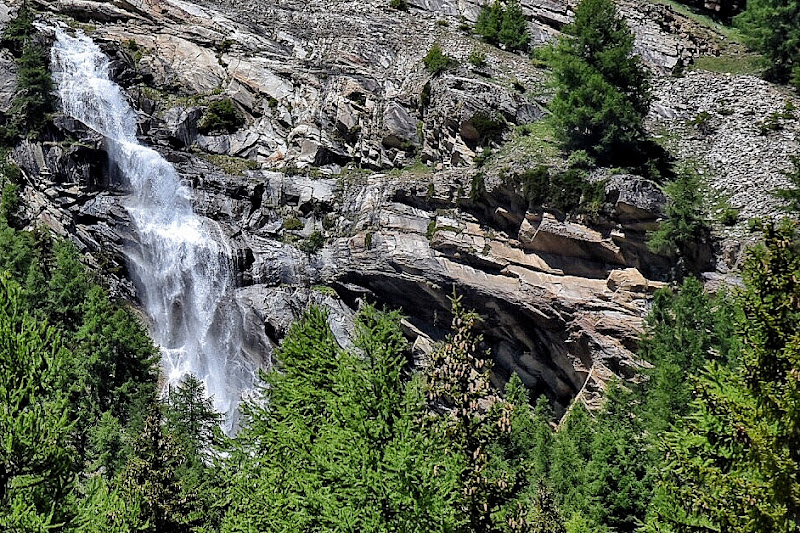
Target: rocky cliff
355, 173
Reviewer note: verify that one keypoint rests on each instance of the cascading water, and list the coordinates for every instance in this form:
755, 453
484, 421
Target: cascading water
181, 263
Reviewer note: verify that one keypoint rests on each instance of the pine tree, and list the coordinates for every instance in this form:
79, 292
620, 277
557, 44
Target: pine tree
569, 456
151, 478
103, 509
685, 234
773, 28
191, 417
35, 461
602, 89
474, 416
355, 455
733, 464
685, 329
513, 32
619, 479
18, 31
490, 21
33, 101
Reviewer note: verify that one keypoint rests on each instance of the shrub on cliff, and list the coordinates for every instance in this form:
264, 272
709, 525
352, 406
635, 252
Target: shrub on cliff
437, 61
602, 89
18, 31
33, 101
221, 116
686, 232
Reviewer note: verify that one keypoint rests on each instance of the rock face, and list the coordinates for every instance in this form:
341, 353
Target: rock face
346, 137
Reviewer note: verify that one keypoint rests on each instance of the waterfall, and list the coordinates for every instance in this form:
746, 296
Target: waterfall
181, 264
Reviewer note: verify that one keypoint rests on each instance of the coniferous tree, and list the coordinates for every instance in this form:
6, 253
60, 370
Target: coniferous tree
733, 463
191, 417
773, 28
474, 416
685, 329
33, 101
151, 478
618, 474
355, 455
602, 89
35, 461
685, 234
514, 28
18, 31
490, 21
104, 509
571, 452
504, 26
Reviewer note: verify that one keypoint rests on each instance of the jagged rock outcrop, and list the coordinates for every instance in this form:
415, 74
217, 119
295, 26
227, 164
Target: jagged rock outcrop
335, 102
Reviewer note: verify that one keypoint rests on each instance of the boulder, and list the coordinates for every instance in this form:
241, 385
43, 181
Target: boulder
635, 199
400, 126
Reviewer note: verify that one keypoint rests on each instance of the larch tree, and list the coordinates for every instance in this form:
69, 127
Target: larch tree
602, 88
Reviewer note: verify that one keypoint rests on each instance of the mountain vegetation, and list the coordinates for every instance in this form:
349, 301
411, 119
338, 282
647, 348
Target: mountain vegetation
357, 437
773, 28
505, 26
602, 88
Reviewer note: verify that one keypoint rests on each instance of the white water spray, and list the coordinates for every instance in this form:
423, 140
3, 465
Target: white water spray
181, 264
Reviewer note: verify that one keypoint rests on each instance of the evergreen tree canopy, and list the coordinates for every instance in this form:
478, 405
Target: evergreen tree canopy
504, 26
338, 442
683, 236
733, 463
602, 89
35, 462
773, 28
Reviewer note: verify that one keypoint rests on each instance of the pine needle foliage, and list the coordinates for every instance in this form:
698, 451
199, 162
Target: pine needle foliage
602, 88
773, 28
733, 463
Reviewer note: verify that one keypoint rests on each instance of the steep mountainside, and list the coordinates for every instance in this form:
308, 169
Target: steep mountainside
354, 169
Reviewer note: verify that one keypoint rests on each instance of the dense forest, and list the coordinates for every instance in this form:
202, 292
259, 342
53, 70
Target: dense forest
358, 438
355, 440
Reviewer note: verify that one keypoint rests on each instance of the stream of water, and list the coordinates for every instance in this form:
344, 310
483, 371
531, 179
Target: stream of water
181, 264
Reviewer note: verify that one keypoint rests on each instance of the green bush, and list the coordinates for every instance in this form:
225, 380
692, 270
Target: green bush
221, 116
313, 243
536, 185
477, 57
703, 123
292, 224
580, 159
477, 189
490, 127
400, 5
437, 61
567, 191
